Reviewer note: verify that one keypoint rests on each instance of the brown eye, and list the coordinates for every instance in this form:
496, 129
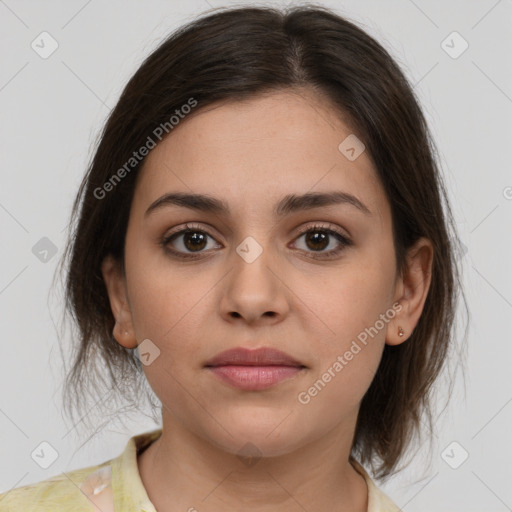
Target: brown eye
194, 240
318, 238
186, 242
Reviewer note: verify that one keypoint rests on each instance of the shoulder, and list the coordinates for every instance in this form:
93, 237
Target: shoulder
112, 484
81, 490
378, 501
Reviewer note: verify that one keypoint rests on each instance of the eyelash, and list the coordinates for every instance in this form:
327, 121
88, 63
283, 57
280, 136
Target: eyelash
342, 239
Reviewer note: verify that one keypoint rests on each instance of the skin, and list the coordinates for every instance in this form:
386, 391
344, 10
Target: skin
251, 154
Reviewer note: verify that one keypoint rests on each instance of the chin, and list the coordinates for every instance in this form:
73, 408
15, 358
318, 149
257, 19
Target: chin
263, 439
255, 447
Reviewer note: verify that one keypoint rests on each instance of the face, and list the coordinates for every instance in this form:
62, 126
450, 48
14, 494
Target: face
310, 282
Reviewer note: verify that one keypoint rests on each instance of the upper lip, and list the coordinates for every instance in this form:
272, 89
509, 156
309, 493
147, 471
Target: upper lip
265, 356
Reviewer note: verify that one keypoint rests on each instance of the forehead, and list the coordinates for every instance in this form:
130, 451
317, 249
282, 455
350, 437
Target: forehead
253, 152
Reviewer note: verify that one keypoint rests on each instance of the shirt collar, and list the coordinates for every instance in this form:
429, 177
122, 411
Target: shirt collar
128, 489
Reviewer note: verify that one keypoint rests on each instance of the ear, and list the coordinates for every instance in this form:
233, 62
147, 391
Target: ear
411, 291
115, 281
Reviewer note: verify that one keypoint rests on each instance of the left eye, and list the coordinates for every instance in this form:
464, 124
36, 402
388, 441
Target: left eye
317, 239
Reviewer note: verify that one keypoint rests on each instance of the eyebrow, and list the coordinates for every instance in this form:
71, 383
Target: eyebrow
288, 204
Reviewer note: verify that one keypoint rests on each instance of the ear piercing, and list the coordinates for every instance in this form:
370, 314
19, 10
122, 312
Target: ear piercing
400, 331
126, 332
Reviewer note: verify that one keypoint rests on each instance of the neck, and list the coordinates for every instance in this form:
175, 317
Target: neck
181, 470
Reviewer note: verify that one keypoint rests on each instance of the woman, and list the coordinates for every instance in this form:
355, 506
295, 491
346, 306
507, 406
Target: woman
261, 236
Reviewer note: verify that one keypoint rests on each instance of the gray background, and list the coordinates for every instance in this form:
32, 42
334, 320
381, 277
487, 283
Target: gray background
52, 111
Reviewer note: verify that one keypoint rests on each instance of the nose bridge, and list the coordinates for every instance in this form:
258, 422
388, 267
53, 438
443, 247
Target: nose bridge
254, 287
255, 230
252, 259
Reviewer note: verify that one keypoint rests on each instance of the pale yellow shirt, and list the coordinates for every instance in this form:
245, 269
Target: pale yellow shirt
116, 486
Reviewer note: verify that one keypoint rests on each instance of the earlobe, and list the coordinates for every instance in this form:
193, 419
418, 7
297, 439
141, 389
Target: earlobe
396, 335
413, 290
122, 336
116, 288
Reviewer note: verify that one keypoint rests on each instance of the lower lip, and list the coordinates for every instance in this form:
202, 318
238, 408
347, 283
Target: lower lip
254, 378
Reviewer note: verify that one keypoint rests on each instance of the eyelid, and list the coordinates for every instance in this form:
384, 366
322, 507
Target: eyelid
191, 225
326, 226
303, 229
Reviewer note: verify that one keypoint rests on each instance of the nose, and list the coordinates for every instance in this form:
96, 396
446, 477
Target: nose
254, 291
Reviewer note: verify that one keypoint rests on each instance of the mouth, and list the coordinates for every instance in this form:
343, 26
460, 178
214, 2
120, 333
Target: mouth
254, 370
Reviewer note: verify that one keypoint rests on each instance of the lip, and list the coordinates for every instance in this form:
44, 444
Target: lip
253, 369
265, 356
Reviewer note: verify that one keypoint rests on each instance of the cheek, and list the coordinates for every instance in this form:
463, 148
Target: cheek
170, 319
163, 297
168, 308
349, 301
349, 325
170, 314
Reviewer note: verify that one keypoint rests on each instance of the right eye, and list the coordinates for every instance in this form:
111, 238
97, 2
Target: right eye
192, 238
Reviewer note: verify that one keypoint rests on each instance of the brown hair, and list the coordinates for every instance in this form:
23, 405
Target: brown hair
235, 54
